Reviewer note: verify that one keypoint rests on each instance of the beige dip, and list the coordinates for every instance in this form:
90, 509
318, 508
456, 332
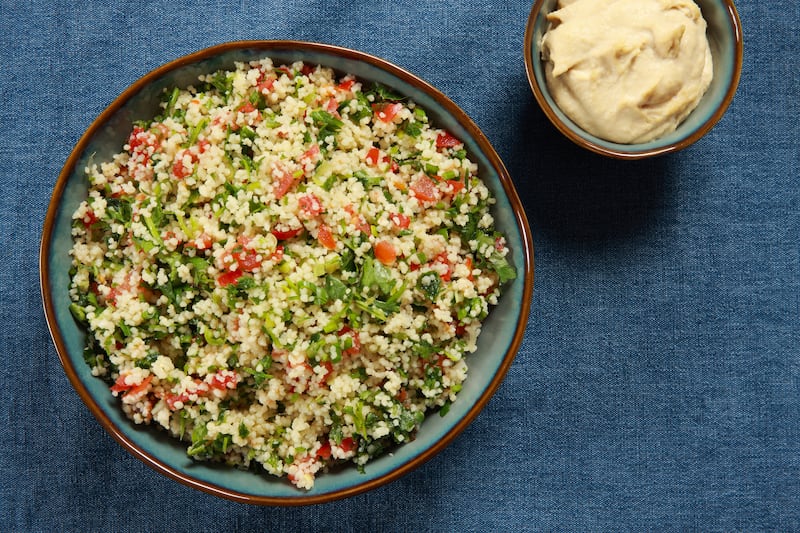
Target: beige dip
628, 71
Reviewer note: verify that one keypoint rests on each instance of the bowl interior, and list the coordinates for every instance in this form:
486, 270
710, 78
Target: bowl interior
725, 41
496, 347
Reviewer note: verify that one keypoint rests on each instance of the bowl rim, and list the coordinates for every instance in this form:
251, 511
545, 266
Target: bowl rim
705, 127
304, 46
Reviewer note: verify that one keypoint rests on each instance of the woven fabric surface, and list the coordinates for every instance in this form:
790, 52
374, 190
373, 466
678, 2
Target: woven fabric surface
658, 384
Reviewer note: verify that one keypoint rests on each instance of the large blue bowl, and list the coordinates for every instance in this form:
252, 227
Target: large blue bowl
497, 345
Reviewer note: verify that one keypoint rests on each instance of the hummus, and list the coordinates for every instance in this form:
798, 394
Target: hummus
628, 71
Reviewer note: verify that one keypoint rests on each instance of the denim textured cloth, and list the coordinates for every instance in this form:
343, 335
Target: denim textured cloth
658, 385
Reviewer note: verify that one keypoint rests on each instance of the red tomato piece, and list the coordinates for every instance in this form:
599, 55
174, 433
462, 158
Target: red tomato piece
442, 259
247, 107
179, 169
141, 387
425, 189
247, 259
372, 156
348, 444
120, 385
387, 112
446, 140
284, 183
277, 255
325, 237
224, 380
307, 69
202, 242
332, 107
229, 278
358, 220
356, 347
346, 85
283, 235
400, 220
89, 218
310, 205
328, 366
393, 164
308, 161
324, 451
455, 185
385, 252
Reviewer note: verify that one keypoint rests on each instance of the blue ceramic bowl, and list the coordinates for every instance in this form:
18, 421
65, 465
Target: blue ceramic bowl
497, 345
725, 39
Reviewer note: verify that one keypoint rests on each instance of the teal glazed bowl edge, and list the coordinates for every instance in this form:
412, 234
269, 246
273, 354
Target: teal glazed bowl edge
497, 345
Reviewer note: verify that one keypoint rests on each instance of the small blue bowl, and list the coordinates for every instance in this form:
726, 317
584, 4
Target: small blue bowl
725, 39
497, 345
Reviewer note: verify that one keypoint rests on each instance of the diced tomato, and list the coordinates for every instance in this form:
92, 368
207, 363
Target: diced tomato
224, 380
120, 385
392, 163
356, 347
332, 107
385, 252
468, 263
173, 399
400, 220
247, 107
201, 242
141, 387
286, 71
325, 237
460, 330
179, 169
307, 69
455, 185
348, 444
89, 218
357, 219
446, 140
283, 235
246, 258
386, 112
283, 182
324, 451
402, 395
442, 259
346, 85
142, 144
311, 156
277, 255
229, 278
202, 145
372, 156
328, 366
425, 189
265, 86
500, 244
310, 206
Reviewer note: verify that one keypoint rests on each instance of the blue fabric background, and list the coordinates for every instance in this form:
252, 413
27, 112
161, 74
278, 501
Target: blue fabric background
658, 385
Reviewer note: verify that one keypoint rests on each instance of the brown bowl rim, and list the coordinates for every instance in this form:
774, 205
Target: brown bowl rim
736, 25
267, 45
